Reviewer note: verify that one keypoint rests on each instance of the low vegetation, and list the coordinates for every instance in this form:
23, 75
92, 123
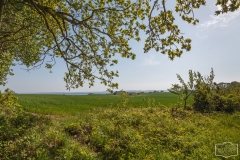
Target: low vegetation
151, 131
29, 136
154, 133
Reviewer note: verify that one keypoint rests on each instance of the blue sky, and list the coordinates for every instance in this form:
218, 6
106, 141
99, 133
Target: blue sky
215, 44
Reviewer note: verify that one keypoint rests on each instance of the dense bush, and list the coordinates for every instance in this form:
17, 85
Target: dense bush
207, 95
208, 102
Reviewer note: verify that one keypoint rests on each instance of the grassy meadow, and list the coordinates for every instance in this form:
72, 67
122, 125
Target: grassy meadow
74, 104
149, 126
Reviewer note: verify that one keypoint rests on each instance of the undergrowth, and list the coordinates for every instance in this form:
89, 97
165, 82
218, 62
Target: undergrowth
154, 133
29, 136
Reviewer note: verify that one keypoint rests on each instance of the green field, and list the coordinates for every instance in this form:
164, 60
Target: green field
113, 127
73, 104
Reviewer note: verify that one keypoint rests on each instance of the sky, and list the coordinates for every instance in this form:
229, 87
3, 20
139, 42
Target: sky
215, 44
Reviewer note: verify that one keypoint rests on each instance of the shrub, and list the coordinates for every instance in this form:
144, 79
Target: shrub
29, 136
208, 96
152, 133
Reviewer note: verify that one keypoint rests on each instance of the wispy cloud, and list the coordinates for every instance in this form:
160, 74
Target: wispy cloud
150, 61
221, 20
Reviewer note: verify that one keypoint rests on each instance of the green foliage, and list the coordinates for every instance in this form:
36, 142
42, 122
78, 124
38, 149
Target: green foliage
207, 95
227, 6
153, 133
7, 99
185, 90
29, 136
204, 89
40, 141
88, 35
210, 96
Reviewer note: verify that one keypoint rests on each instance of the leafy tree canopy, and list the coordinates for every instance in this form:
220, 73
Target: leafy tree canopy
87, 34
